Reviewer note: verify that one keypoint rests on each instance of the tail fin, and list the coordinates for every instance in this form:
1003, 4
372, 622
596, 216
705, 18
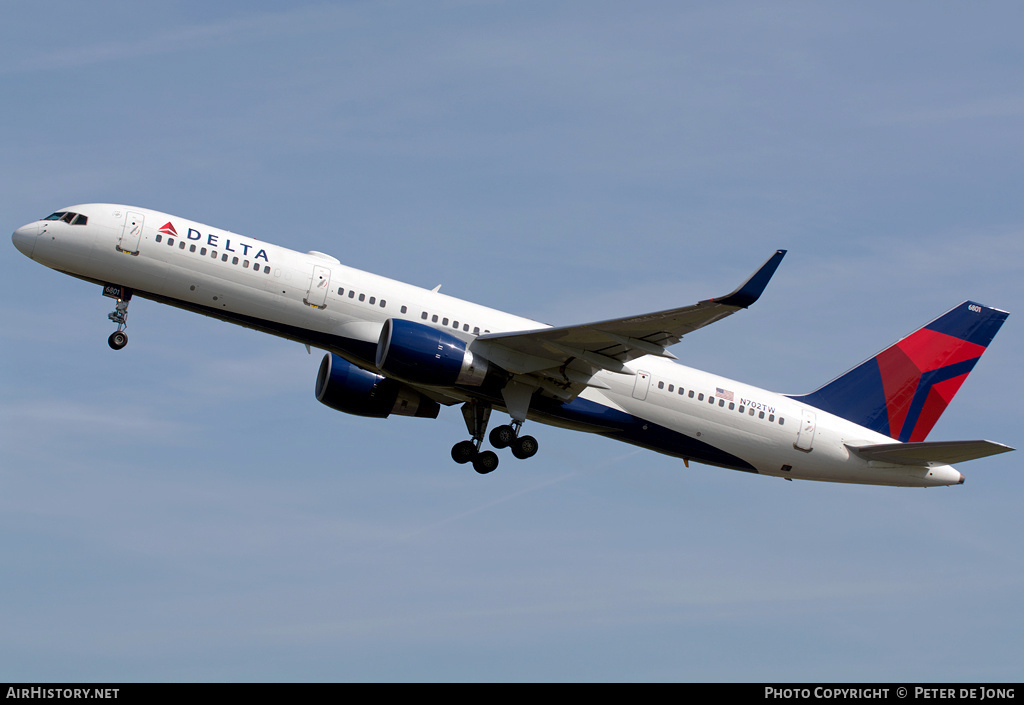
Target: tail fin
903, 390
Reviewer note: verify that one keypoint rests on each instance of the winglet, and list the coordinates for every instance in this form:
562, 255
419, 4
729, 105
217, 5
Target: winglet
751, 290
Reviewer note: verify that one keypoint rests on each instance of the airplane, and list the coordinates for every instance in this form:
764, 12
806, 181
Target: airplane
395, 348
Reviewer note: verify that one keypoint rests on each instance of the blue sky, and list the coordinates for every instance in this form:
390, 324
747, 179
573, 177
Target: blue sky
185, 510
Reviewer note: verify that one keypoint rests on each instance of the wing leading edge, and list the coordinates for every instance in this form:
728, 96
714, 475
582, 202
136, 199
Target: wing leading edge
571, 355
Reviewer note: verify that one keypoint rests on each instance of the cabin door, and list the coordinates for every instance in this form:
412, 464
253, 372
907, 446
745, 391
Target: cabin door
131, 233
805, 436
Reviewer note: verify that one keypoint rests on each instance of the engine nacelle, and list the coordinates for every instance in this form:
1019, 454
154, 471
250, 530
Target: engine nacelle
346, 387
423, 355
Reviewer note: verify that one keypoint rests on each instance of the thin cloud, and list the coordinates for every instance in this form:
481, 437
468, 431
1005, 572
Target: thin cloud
235, 30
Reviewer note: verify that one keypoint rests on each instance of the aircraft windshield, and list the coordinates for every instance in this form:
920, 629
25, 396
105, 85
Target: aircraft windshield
68, 217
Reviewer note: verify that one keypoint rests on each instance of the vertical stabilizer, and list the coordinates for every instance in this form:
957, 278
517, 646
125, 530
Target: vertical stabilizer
903, 390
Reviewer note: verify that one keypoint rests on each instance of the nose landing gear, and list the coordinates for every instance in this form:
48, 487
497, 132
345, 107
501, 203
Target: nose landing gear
118, 339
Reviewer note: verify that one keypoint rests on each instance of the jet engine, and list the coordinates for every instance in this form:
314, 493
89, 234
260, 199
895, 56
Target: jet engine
424, 355
346, 387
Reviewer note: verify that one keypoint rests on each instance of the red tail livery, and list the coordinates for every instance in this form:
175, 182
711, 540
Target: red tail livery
903, 390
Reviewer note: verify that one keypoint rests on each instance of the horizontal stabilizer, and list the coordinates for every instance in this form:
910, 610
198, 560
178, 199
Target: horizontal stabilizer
929, 453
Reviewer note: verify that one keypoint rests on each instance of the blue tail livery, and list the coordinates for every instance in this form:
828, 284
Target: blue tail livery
903, 390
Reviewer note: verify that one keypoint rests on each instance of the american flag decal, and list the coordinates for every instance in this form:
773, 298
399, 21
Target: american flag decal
723, 393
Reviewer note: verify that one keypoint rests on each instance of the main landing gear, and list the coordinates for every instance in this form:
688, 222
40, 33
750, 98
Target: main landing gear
477, 414
118, 339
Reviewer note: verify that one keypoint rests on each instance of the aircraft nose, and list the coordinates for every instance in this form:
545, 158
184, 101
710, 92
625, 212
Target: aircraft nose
24, 238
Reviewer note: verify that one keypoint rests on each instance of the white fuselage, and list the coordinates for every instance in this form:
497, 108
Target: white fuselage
314, 299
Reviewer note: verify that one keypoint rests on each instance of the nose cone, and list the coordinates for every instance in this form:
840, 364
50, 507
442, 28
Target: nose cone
24, 238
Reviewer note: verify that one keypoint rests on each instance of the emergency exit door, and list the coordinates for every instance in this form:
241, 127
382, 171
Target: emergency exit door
642, 384
318, 286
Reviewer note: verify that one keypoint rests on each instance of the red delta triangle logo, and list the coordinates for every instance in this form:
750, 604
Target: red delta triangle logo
168, 229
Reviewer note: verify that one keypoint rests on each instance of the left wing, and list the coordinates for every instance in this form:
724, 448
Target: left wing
567, 357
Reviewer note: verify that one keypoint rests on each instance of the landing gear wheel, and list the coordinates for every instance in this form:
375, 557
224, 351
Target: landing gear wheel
524, 447
485, 462
117, 340
463, 452
502, 436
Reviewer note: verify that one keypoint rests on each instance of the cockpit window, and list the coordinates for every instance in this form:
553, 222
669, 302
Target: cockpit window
68, 217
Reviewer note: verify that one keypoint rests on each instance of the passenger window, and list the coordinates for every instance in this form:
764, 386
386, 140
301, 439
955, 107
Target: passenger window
245, 264
476, 330
234, 260
742, 408
213, 254
771, 417
362, 297
341, 291
700, 397
373, 300
181, 245
455, 325
760, 415
405, 309
444, 321
691, 394
159, 238
661, 385
351, 294
191, 248
671, 387
465, 327
266, 270
731, 406
433, 319
423, 315
383, 303
782, 421
224, 257
202, 251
